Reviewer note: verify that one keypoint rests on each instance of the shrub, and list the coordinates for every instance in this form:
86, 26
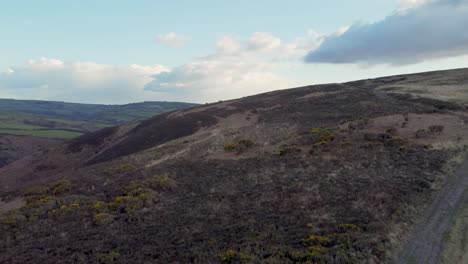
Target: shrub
321, 143
108, 258
134, 188
103, 218
98, 206
230, 147
139, 187
317, 250
231, 256
64, 209
396, 142
60, 187
240, 145
56, 188
314, 255
9, 219
436, 129
316, 130
327, 136
36, 191
130, 203
427, 146
33, 201
37, 207
344, 228
289, 150
159, 183
317, 240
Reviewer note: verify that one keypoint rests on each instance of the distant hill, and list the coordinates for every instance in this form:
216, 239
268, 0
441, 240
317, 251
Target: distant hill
27, 126
50, 119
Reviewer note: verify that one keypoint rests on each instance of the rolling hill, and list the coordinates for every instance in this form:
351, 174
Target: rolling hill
67, 120
333, 173
27, 126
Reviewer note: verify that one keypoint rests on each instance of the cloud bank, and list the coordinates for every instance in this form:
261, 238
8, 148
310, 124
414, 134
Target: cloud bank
234, 69
54, 79
421, 30
237, 68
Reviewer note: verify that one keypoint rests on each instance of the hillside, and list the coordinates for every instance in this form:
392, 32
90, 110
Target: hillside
334, 173
28, 126
50, 119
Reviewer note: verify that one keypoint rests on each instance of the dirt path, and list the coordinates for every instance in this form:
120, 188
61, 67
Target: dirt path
426, 243
456, 244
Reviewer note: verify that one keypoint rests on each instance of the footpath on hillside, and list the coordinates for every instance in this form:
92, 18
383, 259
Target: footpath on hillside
426, 244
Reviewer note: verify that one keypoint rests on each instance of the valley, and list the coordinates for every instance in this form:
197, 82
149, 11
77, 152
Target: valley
44, 123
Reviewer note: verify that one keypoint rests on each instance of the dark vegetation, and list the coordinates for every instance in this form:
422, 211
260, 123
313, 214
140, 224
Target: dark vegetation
309, 181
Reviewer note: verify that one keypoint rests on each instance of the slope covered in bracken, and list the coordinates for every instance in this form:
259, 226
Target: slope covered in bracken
336, 173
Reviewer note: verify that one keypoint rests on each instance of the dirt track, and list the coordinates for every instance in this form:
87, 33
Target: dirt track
426, 243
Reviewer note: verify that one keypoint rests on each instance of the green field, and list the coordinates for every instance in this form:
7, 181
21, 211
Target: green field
67, 120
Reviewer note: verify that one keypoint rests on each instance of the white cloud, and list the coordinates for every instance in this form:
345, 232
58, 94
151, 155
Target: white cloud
173, 40
213, 79
54, 79
227, 45
310, 41
8, 71
236, 69
424, 30
264, 42
409, 4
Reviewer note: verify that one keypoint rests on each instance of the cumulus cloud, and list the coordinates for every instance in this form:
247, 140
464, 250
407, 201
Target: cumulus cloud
228, 45
218, 79
236, 69
424, 30
266, 45
54, 79
264, 42
172, 40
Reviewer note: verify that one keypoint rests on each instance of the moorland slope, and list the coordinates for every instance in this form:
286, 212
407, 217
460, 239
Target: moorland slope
335, 173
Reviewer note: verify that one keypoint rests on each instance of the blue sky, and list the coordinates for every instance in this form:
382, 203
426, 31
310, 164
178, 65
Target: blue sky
204, 51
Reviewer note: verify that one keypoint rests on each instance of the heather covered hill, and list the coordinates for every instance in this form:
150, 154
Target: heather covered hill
336, 173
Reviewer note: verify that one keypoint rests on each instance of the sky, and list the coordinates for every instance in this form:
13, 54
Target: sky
125, 51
